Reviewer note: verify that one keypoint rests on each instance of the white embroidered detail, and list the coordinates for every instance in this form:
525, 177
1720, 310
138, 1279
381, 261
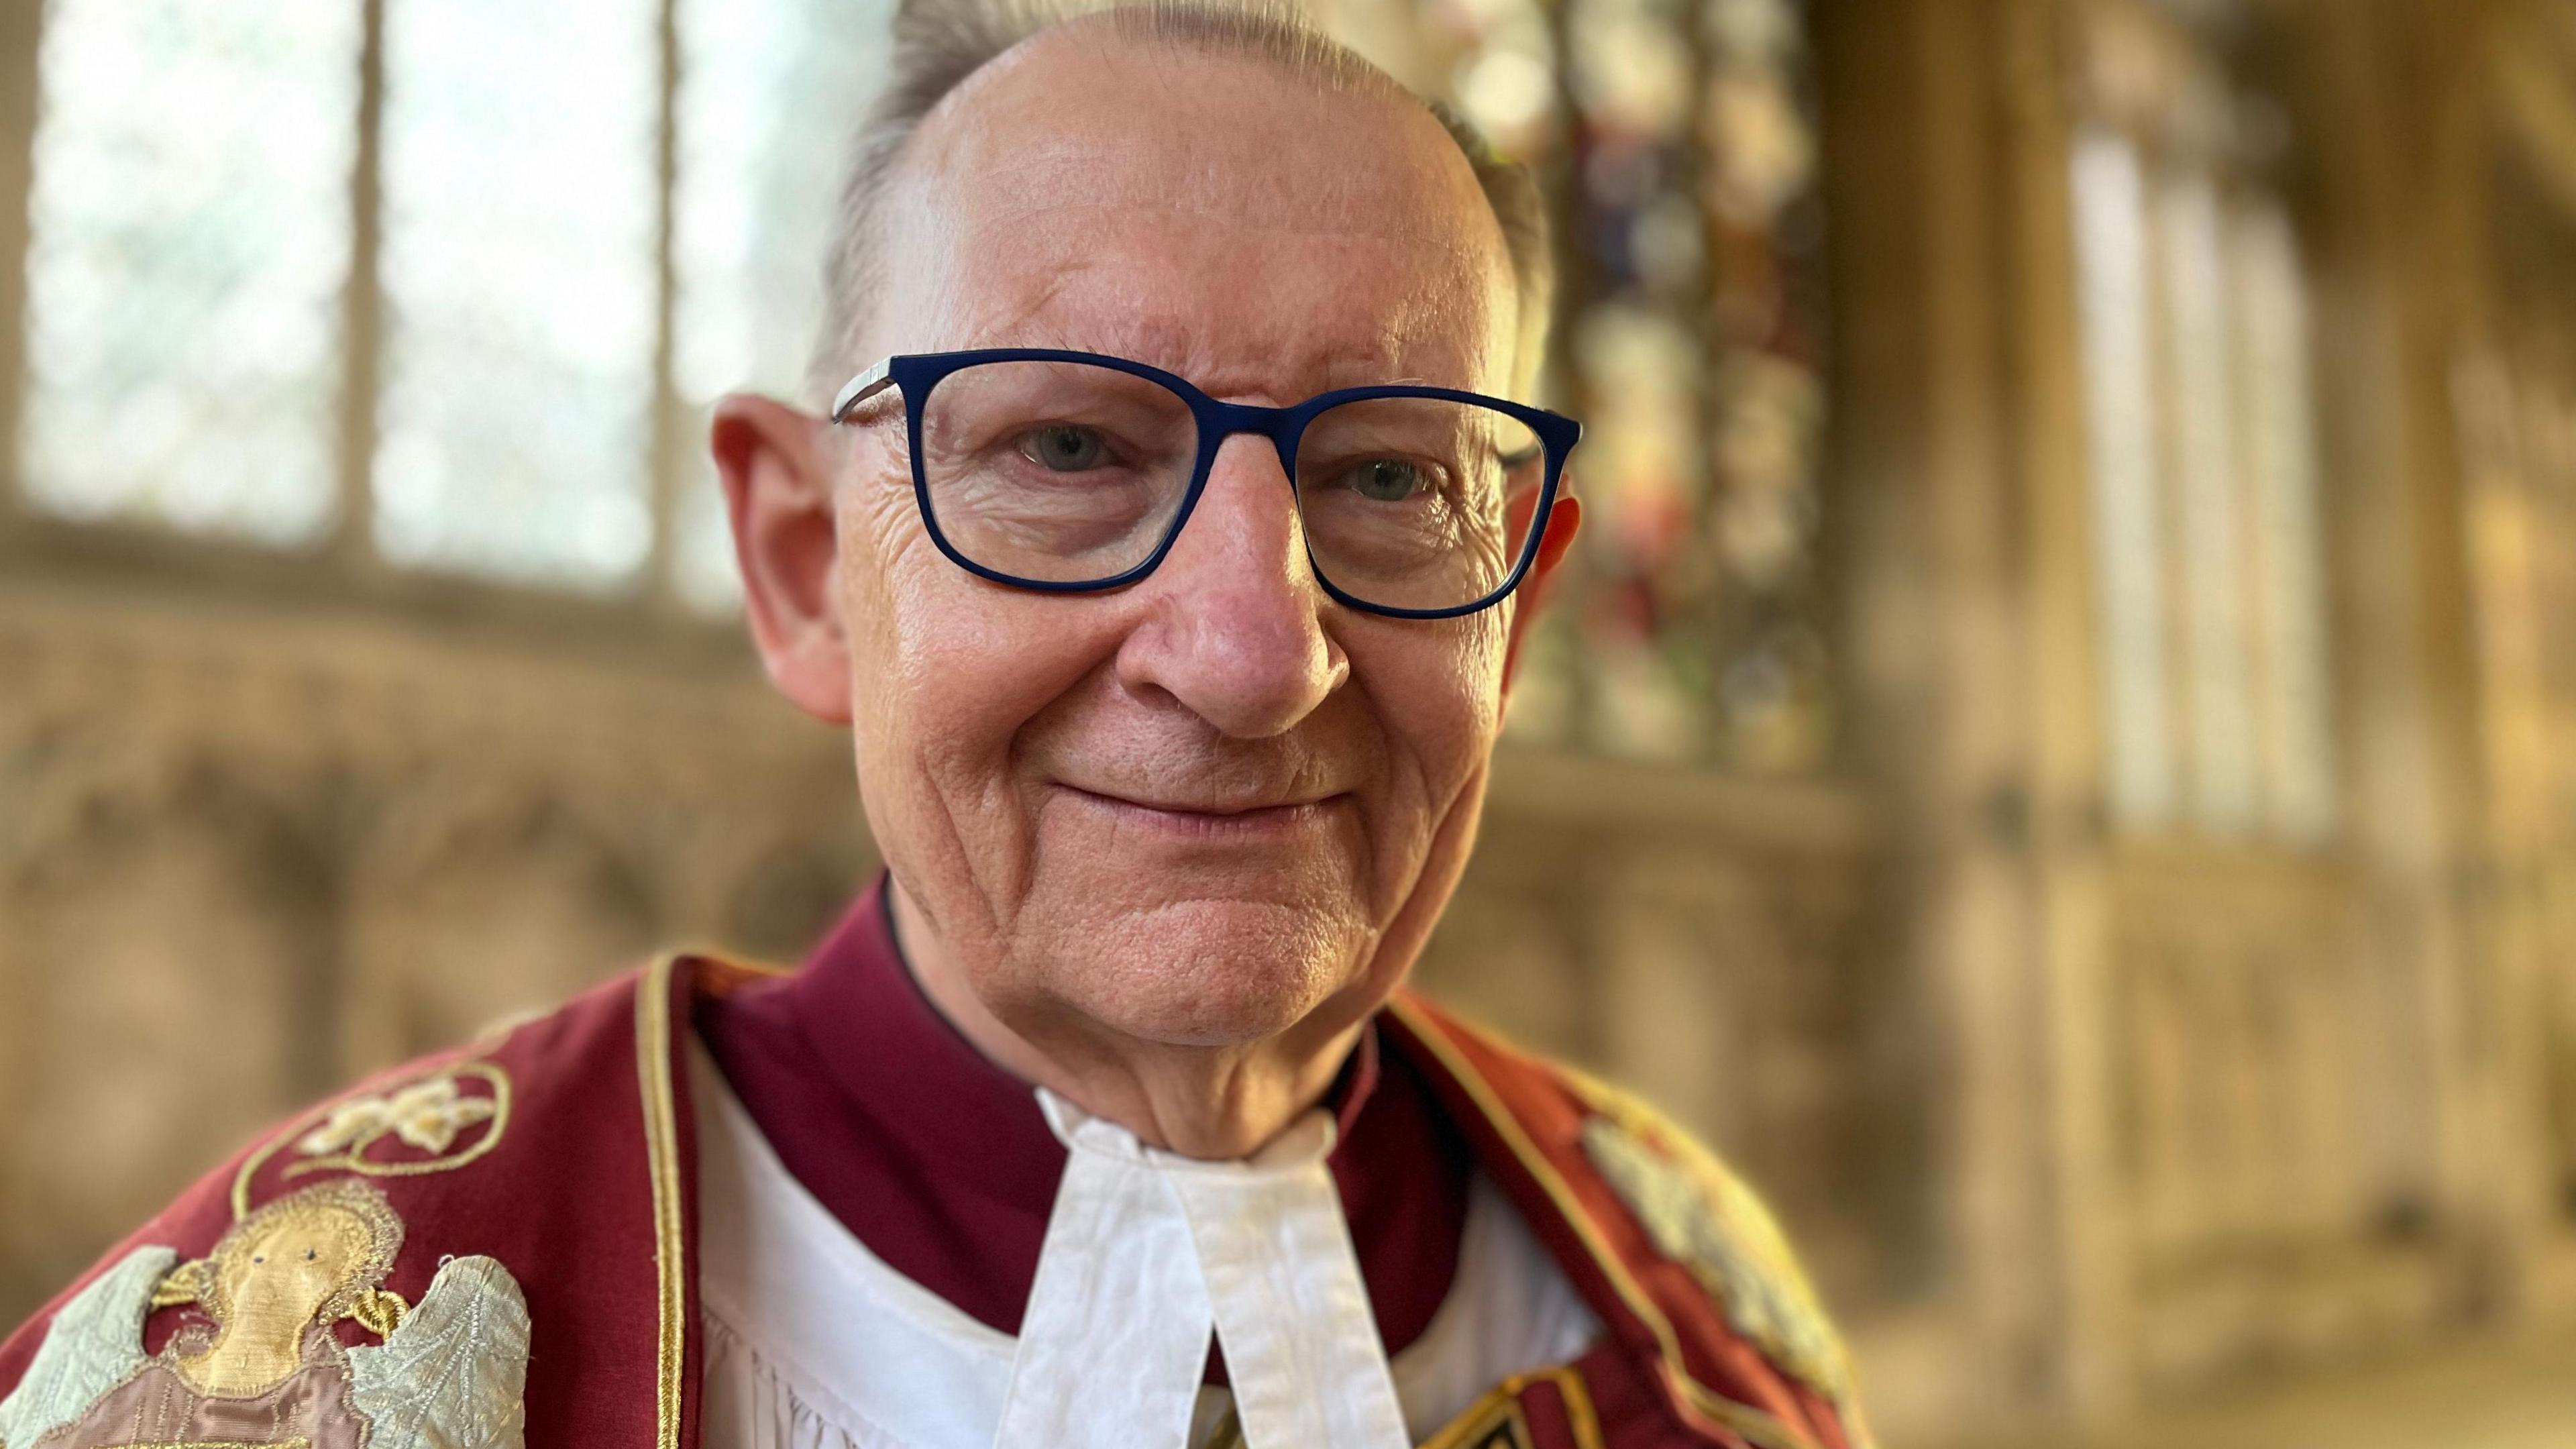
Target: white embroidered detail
452, 1375
428, 1115
1700, 1215
94, 1344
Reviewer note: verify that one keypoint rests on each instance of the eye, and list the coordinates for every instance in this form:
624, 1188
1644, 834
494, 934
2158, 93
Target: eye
309, 1255
1064, 447
1388, 480
259, 1257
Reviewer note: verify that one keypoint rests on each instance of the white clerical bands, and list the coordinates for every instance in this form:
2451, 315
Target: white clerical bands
1146, 1252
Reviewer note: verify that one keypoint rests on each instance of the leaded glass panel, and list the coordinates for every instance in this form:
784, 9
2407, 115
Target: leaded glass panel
2115, 306
2214, 654
520, 282
770, 95
189, 249
2279, 441
2207, 503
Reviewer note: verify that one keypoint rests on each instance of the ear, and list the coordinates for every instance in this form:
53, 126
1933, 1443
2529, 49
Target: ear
778, 494
1564, 517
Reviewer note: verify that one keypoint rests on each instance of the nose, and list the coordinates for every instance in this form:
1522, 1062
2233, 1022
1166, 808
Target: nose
1234, 630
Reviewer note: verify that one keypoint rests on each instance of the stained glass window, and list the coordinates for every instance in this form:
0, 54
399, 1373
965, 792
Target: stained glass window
1504, 74
189, 247
1638, 355
769, 97
1678, 134
524, 288
520, 279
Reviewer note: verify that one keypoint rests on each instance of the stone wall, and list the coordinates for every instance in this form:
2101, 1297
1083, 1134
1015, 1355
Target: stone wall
250, 851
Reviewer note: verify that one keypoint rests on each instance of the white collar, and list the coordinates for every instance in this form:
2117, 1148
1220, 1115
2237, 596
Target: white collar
802, 1309
1147, 1251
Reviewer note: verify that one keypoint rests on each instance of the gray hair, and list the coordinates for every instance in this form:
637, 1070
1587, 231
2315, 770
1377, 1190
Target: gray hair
939, 43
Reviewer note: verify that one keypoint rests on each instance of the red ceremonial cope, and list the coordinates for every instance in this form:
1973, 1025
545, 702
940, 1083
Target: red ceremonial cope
564, 1152
942, 1164
562, 1200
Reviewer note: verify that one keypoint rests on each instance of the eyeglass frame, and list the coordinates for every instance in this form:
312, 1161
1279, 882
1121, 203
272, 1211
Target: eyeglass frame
914, 375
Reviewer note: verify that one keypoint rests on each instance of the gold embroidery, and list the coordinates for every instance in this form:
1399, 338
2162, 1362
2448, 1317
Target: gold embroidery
1578, 1406
452, 1371
188, 1283
1492, 1422
379, 1312
1762, 1430
299, 1442
304, 1260
661, 1148
428, 1114
1497, 1420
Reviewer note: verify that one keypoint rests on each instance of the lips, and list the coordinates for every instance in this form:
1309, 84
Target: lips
1185, 807
1211, 818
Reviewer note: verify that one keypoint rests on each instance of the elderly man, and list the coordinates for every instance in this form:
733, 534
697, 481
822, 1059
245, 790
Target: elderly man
1167, 573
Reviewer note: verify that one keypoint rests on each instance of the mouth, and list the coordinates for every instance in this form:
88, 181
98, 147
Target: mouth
1215, 821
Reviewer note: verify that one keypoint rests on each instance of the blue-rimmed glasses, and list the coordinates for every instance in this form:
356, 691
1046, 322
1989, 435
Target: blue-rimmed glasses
1072, 471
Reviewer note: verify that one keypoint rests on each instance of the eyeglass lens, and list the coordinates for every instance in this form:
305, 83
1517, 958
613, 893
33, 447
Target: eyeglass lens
1071, 473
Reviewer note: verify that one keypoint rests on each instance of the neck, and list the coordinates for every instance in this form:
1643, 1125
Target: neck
1209, 1102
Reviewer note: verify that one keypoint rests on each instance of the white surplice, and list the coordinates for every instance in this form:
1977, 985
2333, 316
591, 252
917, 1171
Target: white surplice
813, 1342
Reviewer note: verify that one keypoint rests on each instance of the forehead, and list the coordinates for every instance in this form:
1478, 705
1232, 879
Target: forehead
1217, 215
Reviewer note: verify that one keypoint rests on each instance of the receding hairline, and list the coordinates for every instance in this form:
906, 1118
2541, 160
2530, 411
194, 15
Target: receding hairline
946, 51
950, 143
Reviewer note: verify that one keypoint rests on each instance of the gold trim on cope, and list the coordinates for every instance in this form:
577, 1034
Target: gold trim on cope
1693, 1397
1578, 1406
1500, 1410
662, 1154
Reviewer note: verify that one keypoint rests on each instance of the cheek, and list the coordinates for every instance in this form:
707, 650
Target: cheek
945, 668
1436, 689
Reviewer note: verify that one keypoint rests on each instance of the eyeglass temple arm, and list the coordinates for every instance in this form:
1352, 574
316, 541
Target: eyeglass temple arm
862, 387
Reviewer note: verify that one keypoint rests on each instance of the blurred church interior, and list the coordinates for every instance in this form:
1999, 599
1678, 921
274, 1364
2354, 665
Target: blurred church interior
2058, 755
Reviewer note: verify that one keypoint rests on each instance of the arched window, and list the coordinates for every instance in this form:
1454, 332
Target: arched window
2201, 421
448, 279
189, 247
446, 285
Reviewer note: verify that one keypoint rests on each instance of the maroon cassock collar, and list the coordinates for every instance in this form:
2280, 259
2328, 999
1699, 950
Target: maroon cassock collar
943, 1165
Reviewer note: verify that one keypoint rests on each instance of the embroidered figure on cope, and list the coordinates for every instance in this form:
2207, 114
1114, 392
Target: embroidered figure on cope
1702, 1216
263, 1366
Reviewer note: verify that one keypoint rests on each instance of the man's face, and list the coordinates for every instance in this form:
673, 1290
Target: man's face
1200, 808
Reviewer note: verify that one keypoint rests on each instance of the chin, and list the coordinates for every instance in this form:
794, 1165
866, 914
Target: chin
1208, 972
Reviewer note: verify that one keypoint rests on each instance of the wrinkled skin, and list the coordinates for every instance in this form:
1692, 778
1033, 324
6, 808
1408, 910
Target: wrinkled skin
1164, 849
